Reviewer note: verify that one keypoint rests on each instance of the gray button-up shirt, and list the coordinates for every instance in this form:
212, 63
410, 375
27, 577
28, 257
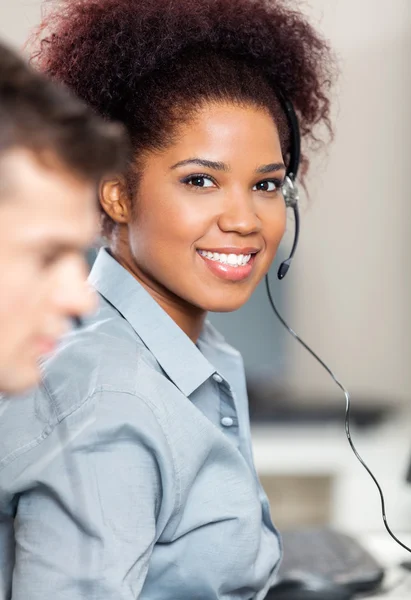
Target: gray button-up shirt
129, 474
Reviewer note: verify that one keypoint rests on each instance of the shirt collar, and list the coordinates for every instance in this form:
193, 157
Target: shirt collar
177, 355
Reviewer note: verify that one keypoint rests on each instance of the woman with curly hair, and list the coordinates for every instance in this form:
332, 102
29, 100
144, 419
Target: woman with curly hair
132, 473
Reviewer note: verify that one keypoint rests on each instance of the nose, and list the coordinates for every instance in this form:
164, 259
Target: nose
239, 214
72, 294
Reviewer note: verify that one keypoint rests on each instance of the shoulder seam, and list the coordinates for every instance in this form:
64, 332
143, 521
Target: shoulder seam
18, 452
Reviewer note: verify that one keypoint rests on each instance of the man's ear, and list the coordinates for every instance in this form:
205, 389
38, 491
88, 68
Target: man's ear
114, 199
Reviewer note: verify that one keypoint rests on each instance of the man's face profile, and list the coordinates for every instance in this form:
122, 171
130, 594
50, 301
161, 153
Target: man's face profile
47, 220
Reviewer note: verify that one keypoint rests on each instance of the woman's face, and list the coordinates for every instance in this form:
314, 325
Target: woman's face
209, 213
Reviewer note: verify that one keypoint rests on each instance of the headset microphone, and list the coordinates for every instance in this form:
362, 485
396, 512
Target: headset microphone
290, 189
291, 198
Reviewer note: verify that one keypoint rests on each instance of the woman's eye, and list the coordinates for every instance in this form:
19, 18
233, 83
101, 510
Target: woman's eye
267, 186
199, 181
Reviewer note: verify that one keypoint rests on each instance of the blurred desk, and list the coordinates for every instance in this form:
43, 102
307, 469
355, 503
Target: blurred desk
397, 582
296, 451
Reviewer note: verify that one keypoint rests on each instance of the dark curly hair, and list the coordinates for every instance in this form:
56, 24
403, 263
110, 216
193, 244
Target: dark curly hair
150, 63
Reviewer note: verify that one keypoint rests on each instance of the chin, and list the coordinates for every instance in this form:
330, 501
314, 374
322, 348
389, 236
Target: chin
224, 304
20, 380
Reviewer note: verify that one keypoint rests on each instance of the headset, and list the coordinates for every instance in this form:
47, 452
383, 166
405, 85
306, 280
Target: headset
290, 189
291, 198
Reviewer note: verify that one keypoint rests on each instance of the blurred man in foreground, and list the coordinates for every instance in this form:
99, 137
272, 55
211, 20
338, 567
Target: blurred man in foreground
53, 152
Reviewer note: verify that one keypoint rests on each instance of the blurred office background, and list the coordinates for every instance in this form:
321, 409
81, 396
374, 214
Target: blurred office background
348, 293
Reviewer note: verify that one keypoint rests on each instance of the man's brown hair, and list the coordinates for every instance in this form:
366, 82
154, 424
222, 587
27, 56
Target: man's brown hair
44, 117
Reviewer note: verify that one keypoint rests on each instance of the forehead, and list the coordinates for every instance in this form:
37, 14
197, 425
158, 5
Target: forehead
36, 199
232, 130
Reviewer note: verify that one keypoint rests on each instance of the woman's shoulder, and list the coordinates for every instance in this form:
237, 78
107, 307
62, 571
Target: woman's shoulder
96, 377
100, 359
103, 351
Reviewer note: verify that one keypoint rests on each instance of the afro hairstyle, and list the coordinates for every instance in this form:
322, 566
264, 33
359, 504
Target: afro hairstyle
150, 63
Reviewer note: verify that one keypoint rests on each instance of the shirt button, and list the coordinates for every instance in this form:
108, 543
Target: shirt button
227, 421
217, 378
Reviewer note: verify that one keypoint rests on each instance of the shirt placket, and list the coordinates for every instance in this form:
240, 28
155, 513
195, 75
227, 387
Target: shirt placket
228, 411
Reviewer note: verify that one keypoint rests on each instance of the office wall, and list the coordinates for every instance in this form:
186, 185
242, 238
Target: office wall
349, 291
17, 17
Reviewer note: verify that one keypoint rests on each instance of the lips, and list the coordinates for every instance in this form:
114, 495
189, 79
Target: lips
230, 264
46, 346
233, 250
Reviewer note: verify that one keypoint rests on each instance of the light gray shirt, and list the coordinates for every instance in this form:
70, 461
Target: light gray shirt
129, 473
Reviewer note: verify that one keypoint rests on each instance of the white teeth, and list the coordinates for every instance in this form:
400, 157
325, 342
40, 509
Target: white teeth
234, 260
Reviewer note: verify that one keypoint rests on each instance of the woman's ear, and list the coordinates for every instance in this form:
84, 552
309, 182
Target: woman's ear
114, 199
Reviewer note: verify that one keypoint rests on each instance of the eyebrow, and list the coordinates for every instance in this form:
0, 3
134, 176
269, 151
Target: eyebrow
271, 167
220, 166
202, 162
57, 247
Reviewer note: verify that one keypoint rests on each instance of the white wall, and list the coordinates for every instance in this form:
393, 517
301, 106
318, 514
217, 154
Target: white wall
17, 18
351, 284
349, 288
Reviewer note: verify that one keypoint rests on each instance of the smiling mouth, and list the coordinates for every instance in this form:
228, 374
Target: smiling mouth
234, 265
232, 260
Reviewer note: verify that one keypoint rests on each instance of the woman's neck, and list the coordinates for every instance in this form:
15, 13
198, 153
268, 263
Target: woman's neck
188, 317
